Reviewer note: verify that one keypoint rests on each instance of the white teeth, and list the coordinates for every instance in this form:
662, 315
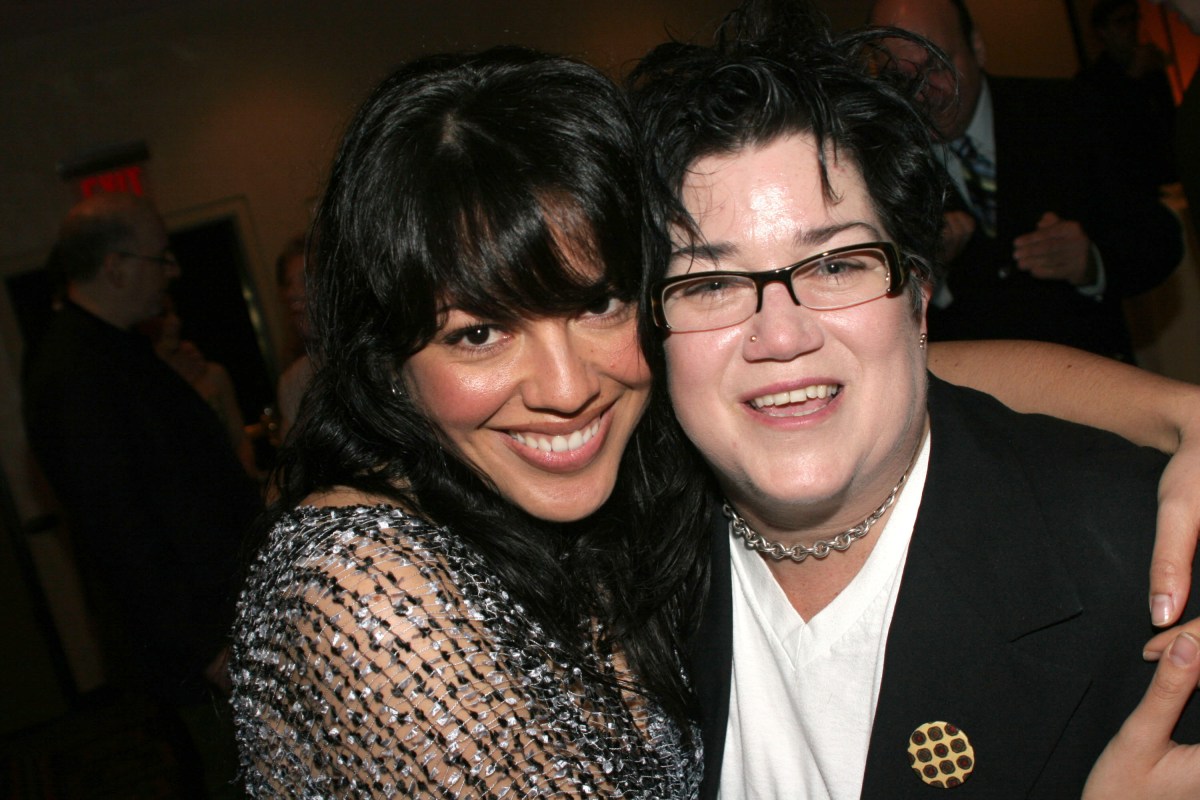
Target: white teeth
814, 392
558, 444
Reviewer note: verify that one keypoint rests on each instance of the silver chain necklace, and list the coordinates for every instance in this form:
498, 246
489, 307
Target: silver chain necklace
822, 547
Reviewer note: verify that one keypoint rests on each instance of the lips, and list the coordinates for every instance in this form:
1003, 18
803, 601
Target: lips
794, 403
562, 446
558, 443
819, 391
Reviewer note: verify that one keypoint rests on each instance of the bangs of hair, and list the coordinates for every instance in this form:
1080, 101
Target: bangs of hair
506, 183
505, 213
536, 257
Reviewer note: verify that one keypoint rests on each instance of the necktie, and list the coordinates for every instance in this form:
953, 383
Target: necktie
980, 176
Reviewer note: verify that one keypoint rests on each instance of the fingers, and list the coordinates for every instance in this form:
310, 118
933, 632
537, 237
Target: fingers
1150, 725
1047, 220
957, 230
1057, 250
1174, 543
1154, 648
1141, 760
959, 224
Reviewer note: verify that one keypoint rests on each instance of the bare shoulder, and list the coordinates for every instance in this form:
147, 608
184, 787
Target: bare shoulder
345, 496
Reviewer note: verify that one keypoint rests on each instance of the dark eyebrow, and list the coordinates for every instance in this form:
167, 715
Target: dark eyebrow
703, 251
818, 236
810, 237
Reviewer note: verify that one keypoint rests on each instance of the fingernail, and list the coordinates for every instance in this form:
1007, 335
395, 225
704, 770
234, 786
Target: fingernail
1161, 609
1184, 650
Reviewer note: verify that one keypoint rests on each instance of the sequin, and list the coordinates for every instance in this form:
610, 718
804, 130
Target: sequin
377, 656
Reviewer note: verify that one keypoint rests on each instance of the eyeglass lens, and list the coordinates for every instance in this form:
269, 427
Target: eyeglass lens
717, 300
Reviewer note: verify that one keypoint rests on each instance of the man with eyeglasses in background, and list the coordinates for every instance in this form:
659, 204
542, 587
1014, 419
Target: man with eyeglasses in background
155, 500
1046, 231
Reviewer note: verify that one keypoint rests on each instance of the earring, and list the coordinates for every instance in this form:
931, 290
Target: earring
398, 390
924, 339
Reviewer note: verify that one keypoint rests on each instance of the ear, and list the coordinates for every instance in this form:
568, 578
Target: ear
403, 384
114, 271
978, 49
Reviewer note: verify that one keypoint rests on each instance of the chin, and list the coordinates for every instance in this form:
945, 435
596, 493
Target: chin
560, 507
561, 513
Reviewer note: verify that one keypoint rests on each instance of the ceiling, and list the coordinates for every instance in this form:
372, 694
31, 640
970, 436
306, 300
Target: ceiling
21, 19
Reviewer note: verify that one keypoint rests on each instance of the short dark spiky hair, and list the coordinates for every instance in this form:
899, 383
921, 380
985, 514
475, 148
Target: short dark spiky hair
776, 70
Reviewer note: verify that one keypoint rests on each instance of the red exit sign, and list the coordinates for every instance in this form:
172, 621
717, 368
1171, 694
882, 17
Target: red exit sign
122, 179
112, 168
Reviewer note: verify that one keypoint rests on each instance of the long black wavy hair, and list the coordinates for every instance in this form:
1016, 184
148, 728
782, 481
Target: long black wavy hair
474, 178
776, 69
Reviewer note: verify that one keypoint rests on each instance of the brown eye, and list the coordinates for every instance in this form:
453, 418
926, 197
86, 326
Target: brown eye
477, 336
473, 336
601, 305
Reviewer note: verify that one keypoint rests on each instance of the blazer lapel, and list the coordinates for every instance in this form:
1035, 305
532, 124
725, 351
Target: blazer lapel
975, 583
710, 655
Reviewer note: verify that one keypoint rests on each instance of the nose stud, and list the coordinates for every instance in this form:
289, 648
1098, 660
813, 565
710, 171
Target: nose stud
754, 338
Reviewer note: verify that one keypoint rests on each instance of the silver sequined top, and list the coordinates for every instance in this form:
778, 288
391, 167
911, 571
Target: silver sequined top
375, 655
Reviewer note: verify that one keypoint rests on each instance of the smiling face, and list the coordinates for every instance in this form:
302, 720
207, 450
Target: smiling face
807, 417
543, 407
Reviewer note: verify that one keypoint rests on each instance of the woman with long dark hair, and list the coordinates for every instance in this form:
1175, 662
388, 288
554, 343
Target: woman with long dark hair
433, 619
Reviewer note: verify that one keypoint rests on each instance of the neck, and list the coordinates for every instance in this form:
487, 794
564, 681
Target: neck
809, 588
819, 548
97, 307
848, 516
814, 565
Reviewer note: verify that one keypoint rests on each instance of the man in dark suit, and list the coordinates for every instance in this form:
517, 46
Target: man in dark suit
1129, 79
1047, 232
156, 500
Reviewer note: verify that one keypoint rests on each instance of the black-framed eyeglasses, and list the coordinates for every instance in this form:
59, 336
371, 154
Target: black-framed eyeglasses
839, 278
167, 259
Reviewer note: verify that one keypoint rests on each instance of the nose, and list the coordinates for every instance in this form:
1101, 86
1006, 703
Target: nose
560, 372
782, 329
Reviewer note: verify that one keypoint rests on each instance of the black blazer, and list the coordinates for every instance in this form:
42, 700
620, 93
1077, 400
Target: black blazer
156, 500
1051, 156
1022, 610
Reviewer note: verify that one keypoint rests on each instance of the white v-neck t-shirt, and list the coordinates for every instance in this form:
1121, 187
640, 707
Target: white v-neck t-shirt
803, 694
